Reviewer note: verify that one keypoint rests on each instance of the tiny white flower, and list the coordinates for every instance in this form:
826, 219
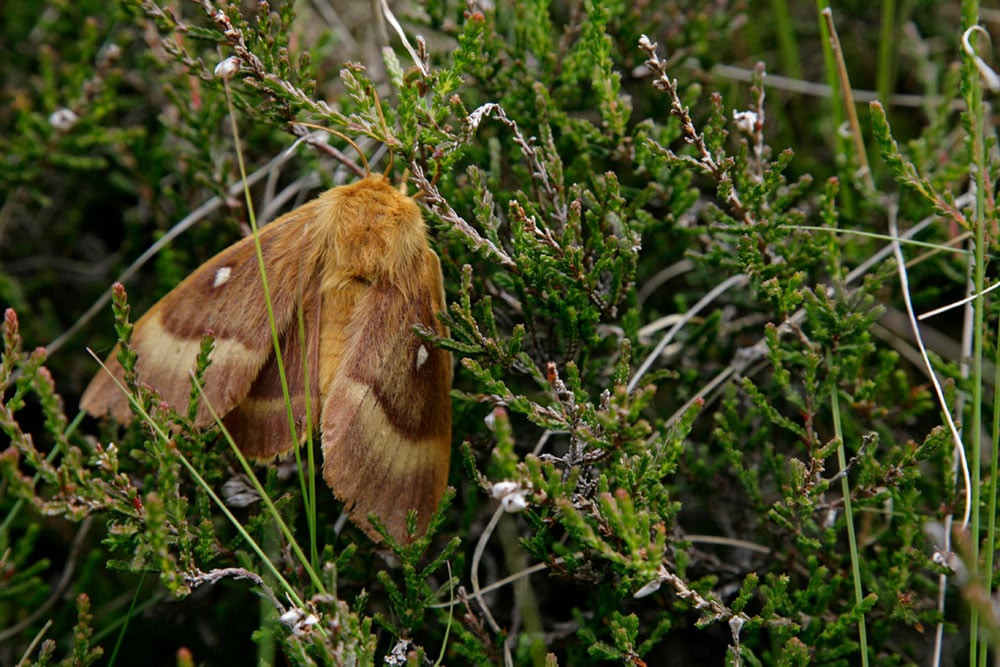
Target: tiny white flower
501, 489
63, 119
648, 589
745, 121
291, 617
511, 496
109, 53
228, 68
513, 503
735, 626
299, 621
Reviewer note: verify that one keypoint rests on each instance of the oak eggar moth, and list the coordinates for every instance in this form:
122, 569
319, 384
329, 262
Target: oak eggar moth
357, 261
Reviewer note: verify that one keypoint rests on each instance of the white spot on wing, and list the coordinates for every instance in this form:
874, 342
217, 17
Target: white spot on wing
221, 276
422, 356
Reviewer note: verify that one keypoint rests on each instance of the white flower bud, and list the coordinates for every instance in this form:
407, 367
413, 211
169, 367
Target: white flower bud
513, 503
501, 489
228, 68
63, 119
745, 121
648, 589
291, 617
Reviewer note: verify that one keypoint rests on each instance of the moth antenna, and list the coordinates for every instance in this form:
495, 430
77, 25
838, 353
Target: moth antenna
343, 136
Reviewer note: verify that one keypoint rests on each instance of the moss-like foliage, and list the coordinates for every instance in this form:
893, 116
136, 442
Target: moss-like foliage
690, 421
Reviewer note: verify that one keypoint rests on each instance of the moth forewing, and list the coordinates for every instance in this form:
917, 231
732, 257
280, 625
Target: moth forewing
387, 414
356, 260
223, 297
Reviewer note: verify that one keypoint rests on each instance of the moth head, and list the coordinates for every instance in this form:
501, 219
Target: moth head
377, 231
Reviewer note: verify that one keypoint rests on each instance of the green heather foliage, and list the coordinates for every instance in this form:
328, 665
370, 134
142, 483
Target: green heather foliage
681, 340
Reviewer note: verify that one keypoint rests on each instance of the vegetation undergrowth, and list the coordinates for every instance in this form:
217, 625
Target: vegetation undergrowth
692, 421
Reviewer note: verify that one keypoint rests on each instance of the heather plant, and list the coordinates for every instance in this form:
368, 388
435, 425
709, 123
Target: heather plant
695, 416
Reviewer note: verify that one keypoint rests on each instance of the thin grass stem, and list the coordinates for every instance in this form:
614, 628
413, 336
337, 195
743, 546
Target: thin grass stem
852, 541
